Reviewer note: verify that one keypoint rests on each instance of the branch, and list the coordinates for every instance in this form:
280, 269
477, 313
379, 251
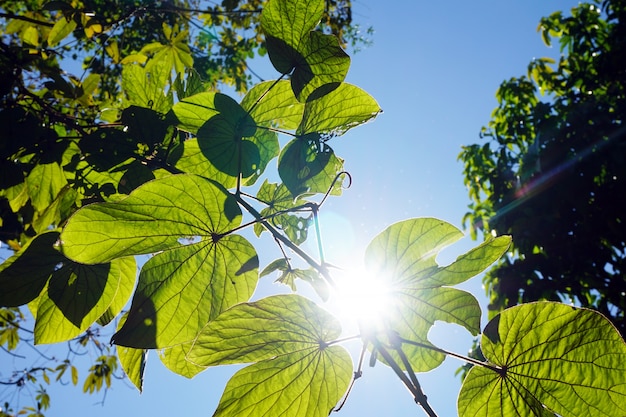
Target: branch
26, 19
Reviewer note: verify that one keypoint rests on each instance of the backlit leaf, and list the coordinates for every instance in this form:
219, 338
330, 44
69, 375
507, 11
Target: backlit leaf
403, 258
554, 360
316, 62
152, 218
75, 297
296, 374
61, 29
133, 361
338, 111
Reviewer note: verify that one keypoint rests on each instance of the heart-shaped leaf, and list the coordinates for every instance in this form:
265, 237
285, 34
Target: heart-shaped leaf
553, 360
296, 372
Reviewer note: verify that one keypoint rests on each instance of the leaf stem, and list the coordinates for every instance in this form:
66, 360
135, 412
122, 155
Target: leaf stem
321, 268
467, 359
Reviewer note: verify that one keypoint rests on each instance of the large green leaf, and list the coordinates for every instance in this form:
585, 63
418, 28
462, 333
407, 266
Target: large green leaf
402, 258
181, 289
273, 104
151, 219
316, 62
45, 181
146, 87
185, 285
554, 360
338, 111
192, 112
25, 274
174, 359
189, 158
77, 295
297, 373
227, 138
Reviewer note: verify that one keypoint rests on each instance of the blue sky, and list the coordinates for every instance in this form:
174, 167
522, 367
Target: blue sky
434, 68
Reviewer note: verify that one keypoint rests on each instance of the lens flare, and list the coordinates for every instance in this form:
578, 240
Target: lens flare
364, 298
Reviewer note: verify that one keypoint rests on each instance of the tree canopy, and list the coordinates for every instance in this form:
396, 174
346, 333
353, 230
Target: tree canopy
134, 195
552, 171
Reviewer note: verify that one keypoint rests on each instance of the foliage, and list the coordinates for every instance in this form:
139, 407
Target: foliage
552, 171
173, 173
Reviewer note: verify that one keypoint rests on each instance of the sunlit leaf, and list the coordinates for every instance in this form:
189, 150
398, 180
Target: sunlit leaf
45, 182
133, 361
193, 111
75, 297
174, 359
316, 62
297, 373
402, 258
210, 275
61, 29
152, 218
554, 360
273, 104
145, 87
338, 111
128, 271
181, 289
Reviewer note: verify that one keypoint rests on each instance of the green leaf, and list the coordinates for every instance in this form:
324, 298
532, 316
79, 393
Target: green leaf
228, 139
192, 112
133, 361
554, 360
316, 62
273, 104
25, 274
182, 289
279, 201
402, 258
189, 158
221, 138
128, 271
309, 165
185, 285
175, 359
45, 182
146, 87
297, 373
338, 111
76, 296
61, 29
151, 219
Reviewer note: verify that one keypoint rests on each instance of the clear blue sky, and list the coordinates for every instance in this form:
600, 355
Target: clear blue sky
434, 68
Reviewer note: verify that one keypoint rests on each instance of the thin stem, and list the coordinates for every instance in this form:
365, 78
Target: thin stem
467, 359
321, 268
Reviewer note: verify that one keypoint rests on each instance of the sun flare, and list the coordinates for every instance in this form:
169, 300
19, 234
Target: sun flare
364, 298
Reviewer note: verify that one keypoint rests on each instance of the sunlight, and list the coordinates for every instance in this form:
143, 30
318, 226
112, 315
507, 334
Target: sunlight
364, 298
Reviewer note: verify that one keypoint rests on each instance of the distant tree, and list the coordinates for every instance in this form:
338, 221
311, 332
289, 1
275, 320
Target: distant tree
552, 172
